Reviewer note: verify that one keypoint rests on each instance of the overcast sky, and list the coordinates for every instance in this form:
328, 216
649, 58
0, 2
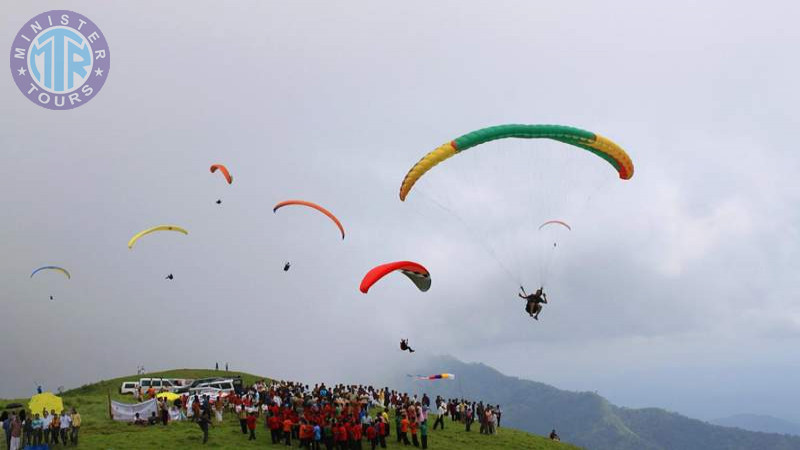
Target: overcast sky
676, 289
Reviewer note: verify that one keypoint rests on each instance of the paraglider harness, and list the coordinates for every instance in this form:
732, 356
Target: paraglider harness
534, 301
404, 346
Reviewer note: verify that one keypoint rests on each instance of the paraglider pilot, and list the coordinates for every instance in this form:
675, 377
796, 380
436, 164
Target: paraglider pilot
404, 346
287, 266
533, 305
170, 277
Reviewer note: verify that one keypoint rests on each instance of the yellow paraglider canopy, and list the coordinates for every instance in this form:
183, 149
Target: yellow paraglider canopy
170, 396
154, 229
46, 401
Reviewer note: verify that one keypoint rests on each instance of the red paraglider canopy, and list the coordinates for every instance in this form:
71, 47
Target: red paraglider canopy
414, 271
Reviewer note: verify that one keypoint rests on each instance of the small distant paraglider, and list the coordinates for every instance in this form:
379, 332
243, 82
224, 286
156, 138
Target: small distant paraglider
53, 268
170, 277
225, 173
287, 266
405, 347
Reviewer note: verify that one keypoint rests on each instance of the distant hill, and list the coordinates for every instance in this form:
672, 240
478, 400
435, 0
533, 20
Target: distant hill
583, 418
757, 422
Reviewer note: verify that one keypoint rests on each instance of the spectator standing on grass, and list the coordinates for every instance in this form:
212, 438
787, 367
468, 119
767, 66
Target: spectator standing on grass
204, 421
440, 418
65, 424
37, 430
27, 429
76, 426
317, 431
423, 431
413, 428
6, 422
251, 425
287, 431
55, 425
243, 418
16, 432
46, 419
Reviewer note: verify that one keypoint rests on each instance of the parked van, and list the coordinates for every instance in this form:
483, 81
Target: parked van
157, 383
213, 387
128, 387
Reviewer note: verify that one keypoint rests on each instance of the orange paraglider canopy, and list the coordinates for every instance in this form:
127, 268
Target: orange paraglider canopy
224, 171
311, 205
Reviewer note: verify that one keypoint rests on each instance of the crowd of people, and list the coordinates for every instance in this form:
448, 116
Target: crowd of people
339, 417
50, 428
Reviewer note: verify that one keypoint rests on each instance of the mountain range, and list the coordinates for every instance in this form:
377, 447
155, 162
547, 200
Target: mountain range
582, 418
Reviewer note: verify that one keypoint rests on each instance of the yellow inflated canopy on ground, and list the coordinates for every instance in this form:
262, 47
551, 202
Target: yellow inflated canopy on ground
170, 396
46, 401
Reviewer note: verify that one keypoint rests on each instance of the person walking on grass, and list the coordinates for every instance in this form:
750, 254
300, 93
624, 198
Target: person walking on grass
251, 425
204, 421
243, 419
440, 418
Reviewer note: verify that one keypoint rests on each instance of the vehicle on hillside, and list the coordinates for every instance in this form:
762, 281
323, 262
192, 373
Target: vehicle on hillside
214, 388
129, 387
158, 384
238, 386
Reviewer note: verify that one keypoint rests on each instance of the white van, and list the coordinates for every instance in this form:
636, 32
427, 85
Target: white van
157, 383
129, 387
213, 387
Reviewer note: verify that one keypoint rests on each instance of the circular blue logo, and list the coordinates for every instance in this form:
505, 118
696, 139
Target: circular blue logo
60, 59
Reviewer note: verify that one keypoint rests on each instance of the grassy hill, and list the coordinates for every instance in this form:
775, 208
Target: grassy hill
101, 433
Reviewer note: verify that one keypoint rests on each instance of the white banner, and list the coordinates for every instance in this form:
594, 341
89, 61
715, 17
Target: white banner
126, 412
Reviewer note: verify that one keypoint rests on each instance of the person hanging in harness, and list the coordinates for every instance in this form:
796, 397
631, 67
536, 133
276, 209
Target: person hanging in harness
533, 305
404, 346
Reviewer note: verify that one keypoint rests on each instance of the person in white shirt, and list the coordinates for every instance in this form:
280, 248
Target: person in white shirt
66, 422
440, 418
46, 420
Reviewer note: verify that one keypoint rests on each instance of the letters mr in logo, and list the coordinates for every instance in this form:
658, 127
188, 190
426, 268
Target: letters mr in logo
65, 61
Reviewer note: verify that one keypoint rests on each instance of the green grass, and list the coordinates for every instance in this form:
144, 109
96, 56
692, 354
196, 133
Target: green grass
101, 433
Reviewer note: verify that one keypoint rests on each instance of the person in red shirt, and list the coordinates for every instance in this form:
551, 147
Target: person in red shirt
341, 436
305, 434
355, 433
274, 424
404, 430
372, 436
287, 431
383, 430
413, 426
251, 425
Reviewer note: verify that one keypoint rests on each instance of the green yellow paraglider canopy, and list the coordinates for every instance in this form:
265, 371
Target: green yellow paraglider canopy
586, 140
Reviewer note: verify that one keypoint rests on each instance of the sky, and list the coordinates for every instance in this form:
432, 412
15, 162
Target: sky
675, 289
